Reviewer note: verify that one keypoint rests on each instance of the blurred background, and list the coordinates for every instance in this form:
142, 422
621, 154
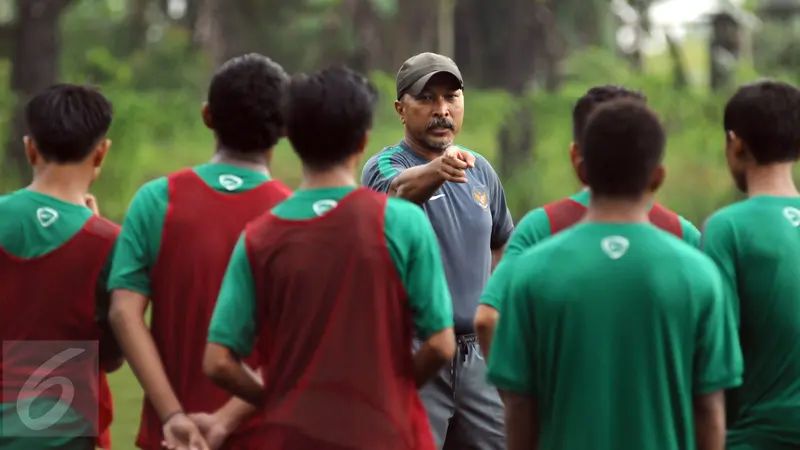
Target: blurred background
524, 61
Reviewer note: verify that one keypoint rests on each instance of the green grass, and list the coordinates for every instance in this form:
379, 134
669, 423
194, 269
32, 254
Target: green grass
127, 408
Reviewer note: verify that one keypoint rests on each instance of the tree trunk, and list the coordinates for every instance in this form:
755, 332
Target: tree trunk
446, 28
34, 67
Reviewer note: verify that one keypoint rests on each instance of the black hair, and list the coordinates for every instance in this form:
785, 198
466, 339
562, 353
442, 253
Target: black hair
328, 113
67, 121
623, 144
244, 99
765, 115
595, 97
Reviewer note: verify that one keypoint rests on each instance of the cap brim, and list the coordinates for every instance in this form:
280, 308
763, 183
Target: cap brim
420, 84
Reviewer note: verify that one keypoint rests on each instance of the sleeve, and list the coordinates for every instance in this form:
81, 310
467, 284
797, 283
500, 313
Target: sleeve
233, 323
718, 361
421, 268
138, 242
691, 235
502, 223
512, 365
718, 243
383, 168
533, 228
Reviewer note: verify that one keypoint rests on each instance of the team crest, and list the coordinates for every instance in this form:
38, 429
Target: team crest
481, 197
230, 182
792, 215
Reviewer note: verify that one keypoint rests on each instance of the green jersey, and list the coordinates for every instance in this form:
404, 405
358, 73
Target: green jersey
139, 242
412, 246
34, 225
612, 329
756, 245
536, 226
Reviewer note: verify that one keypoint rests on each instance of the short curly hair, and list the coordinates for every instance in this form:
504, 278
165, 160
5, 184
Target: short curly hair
595, 97
245, 100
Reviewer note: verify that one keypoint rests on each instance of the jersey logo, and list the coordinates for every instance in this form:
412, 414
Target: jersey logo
615, 246
481, 197
437, 196
322, 206
792, 215
46, 216
230, 182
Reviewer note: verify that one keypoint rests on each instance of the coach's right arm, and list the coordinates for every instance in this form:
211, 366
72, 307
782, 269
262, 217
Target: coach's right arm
389, 172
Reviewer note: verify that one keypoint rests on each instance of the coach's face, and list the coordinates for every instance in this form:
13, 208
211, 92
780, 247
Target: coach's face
434, 116
737, 158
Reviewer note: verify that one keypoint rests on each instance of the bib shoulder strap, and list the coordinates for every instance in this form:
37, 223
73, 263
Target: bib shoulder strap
564, 214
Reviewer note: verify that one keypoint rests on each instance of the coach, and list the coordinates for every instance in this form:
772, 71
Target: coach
464, 200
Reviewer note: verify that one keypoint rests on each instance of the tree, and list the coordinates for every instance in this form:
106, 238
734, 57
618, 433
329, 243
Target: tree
34, 66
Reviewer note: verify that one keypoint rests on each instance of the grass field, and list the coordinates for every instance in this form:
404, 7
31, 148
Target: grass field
127, 408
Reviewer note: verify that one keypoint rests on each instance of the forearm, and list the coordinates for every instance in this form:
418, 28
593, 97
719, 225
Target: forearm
235, 412
417, 184
140, 350
486, 318
522, 422
434, 353
497, 255
709, 426
230, 374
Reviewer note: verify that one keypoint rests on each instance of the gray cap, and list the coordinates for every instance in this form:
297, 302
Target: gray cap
415, 73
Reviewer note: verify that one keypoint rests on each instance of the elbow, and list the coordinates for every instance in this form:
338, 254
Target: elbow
112, 365
444, 345
216, 365
486, 319
117, 316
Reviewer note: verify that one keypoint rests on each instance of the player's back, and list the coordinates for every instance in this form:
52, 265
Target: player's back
336, 326
756, 242
616, 311
53, 255
200, 230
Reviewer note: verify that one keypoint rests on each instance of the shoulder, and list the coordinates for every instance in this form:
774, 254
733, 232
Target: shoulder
158, 187
404, 213
103, 227
535, 225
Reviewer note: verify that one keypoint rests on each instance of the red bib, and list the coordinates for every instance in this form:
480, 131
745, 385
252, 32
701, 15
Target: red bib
335, 332
200, 232
567, 212
55, 293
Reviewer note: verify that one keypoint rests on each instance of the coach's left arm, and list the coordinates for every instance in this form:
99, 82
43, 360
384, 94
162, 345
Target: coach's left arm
502, 223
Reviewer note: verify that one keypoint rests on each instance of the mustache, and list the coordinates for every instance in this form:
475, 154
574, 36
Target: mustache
440, 123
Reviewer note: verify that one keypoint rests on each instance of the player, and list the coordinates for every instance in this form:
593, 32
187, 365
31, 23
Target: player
55, 254
464, 200
332, 284
756, 245
557, 216
614, 327
176, 240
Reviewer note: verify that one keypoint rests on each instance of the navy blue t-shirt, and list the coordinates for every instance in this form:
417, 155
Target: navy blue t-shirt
470, 219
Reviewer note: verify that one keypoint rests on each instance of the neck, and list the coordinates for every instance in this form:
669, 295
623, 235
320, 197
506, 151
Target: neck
423, 150
773, 179
340, 176
603, 209
256, 161
68, 183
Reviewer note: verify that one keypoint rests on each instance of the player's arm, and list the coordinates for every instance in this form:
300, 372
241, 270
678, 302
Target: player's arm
415, 252
534, 227
111, 357
718, 242
130, 291
511, 368
718, 361
231, 337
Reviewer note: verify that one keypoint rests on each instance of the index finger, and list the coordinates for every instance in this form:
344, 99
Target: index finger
467, 157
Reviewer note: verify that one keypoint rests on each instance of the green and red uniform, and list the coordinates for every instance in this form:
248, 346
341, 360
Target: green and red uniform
54, 262
177, 237
555, 217
330, 287
756, 245
613, 329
